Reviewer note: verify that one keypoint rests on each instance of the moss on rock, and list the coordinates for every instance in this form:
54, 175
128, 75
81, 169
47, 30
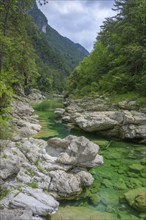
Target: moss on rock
137, 198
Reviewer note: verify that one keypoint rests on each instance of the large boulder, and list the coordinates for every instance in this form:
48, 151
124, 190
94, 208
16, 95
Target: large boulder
77, 153
80, 152
97, 121
69, 184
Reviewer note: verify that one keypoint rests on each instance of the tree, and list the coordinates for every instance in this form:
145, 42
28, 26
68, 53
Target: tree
41, 2
118, 61
17, 62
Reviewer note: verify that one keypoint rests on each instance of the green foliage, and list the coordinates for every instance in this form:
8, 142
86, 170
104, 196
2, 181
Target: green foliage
118, 62
5, 98
33, 185
17, 57
30, 173
4, 193
140, 100
5, 130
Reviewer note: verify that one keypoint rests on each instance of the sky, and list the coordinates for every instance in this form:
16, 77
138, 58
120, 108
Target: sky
79, 20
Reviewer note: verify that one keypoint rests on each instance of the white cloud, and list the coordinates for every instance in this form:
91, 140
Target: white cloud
78, 20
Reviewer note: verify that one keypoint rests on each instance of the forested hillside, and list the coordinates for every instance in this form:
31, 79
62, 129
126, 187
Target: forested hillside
18, 68
117, 64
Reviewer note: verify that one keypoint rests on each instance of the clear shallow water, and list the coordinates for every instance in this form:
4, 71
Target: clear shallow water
122, 171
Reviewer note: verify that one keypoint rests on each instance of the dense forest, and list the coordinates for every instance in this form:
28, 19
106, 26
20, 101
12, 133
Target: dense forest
29, 58
117, 64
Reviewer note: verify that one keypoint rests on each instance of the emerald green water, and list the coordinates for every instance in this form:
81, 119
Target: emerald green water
123, 170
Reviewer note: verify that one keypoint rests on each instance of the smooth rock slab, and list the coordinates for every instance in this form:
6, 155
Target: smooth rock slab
35, 200
97, 121
42, 197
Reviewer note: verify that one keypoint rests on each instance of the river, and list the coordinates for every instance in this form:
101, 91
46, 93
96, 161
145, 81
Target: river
123, 170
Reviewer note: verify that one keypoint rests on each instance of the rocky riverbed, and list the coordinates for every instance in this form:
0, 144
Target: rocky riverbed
35, 174
124, 120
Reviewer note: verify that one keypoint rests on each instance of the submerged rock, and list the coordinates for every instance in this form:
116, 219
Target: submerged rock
94, 199
137, 199
120, 184
82, 213
137, 167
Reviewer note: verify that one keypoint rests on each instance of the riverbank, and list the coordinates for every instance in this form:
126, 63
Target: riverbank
36, 173
125, 120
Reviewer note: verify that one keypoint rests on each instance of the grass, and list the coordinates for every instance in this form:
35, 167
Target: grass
4, 193
30, 173
33, 185
141, 100
115, 98
3, 156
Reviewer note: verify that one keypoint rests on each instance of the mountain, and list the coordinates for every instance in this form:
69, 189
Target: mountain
71, 53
